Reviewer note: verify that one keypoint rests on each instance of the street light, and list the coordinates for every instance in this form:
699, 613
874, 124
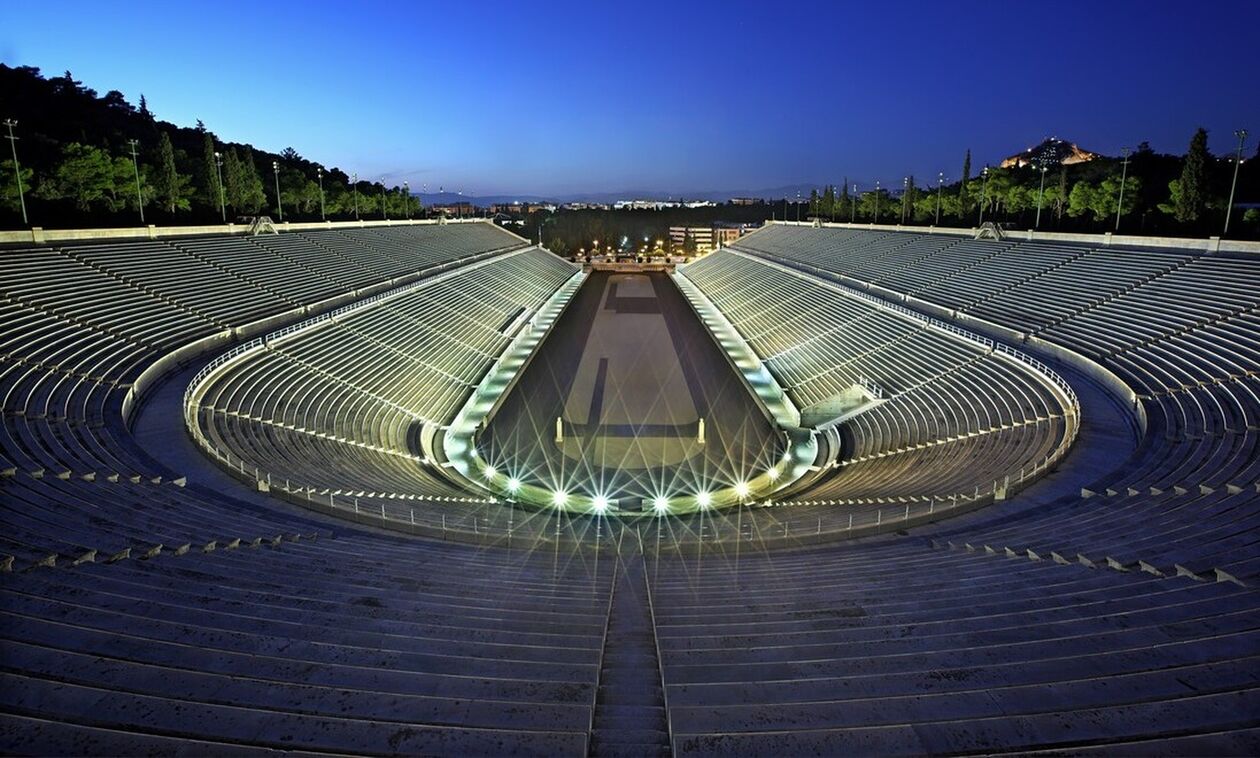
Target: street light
940, 190
17, 171
1040, 193
798, 206
135, 165
319, 175
218, 162
384, 201
876, 221
853, 213
984, 193
275, 167
407, 200
1124, 172
1241, 134
354, 183
905, 197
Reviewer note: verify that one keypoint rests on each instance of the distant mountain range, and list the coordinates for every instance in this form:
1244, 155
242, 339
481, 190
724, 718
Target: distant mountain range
772, 193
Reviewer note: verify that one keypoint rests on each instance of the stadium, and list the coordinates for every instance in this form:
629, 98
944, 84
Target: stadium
424, 487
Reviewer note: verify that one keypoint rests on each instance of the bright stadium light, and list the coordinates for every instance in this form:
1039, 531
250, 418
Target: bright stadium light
559, 498
489, 472
741, 489
660, 504
513, 484
703, 499
601, 503
773, 473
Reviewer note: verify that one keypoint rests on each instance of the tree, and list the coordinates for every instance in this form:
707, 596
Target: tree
253, 198
213, 189
9, 198
964, 206
170, 188
85, 175
1061, 197
1190, 197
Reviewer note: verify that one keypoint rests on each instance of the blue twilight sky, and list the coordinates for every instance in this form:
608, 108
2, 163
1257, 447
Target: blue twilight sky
551, 98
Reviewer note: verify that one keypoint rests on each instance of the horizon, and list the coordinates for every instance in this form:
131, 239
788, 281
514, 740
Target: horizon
582, 102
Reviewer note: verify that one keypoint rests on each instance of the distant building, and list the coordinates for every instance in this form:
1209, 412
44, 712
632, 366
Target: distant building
1051, 152
744, 201
708, 238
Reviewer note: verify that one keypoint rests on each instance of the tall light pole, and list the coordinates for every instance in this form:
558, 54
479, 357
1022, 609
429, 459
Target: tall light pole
1040, 193
905, 197
834, 198
984, 193
319, 175
354, 183
384, 206
407, 200
1241, 134
853, 215
1124, 173
940, 190
798, 206
135, 165
218, 164
876, 221
275, 168
17, 171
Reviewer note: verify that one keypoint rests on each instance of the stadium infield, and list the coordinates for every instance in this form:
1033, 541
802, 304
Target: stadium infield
631, 373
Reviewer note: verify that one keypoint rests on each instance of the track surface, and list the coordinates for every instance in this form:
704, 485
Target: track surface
631, 371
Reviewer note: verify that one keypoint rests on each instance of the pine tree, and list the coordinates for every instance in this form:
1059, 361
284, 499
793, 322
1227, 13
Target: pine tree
963, 204
214, 192
144, 108
1060, 202
168, 184
1192, 200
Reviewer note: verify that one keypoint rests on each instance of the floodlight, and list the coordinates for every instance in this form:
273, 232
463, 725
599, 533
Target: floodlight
601, 504
741, 489
773, 473
660, 504
513, 484
489, 472
559, 498
703, 499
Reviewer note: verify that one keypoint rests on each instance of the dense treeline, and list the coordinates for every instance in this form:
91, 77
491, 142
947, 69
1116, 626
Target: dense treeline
1162, 194
75, 152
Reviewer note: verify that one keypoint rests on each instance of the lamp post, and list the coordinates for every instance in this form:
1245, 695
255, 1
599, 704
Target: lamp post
853, 215
798, 206
384, 201
1040, 193
1241, 134
17, 171
275, 168
940, 190
834, 198
1124, 173
905, 197
984, 193
407, 200
218, 163
876, 221
354, 184
135, 165
319, 175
